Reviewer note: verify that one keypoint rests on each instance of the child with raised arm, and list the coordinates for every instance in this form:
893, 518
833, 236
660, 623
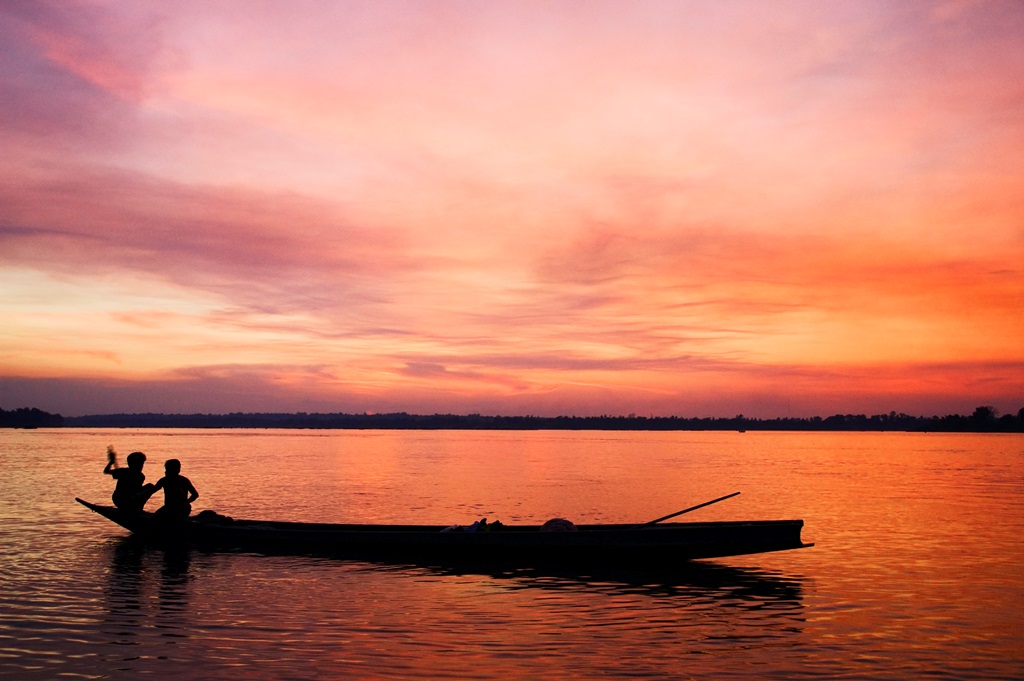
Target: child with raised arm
130, 494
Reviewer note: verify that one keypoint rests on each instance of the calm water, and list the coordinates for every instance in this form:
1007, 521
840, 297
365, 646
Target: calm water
916, 572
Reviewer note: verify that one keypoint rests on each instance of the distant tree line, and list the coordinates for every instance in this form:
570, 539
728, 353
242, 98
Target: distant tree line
983, 419
29, 418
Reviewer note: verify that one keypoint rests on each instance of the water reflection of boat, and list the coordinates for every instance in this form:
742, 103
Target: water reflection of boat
667, 543
146, 589
696, 579
709, 582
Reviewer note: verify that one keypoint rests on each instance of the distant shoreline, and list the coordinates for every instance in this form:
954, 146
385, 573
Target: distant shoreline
983, 420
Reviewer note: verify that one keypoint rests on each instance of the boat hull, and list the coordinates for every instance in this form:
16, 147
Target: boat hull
666, 543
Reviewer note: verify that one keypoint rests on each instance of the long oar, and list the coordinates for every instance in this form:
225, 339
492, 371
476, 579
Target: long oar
692, 508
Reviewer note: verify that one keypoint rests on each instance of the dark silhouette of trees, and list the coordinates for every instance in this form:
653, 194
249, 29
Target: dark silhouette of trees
29, 418
984, 419
984, 414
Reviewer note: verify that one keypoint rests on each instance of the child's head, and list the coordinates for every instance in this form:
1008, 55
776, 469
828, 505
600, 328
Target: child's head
135, 460
172, 466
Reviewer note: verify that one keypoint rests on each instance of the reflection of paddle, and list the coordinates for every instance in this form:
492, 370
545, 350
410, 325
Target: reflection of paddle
692, 508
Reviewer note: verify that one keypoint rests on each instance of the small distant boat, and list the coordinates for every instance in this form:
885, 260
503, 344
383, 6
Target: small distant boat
665, 543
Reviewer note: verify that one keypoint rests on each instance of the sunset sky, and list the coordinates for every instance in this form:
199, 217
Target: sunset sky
579, 207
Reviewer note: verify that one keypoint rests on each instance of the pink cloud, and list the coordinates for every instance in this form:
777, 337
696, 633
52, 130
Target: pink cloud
203, 237
75, 71
532, 205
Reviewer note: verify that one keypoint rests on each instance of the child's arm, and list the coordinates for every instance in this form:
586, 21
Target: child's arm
111, 460
192, 493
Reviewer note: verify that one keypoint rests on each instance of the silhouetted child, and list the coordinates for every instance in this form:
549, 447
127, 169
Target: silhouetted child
178, 492
130, 494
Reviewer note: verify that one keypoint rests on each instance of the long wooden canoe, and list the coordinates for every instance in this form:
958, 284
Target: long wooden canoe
666, 542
